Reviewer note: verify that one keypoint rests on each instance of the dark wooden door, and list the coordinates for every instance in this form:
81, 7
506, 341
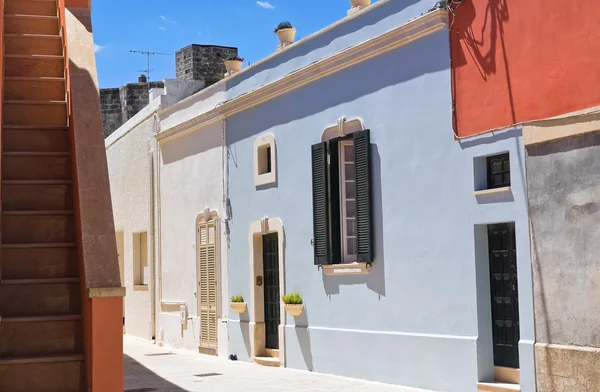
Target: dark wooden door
505, 294
271, 284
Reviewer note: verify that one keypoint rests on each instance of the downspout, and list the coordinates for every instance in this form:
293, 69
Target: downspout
157, 221
151, 244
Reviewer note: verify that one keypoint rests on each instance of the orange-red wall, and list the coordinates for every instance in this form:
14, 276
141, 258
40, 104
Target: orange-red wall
520, 60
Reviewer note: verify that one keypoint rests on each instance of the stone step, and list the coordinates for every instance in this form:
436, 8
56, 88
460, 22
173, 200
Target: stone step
267, 361
33, 227
271, 353
35, 112
40, 336
43, 374
34, 65
34, 88
40, 299
37, 197
30, 24
35, 138
31, 7
39, 263
33, 44
36, 166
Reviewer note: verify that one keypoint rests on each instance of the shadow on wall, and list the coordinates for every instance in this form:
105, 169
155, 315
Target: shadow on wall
375, 279
193, 144
323, 40
138, 378
303, 336
481, 46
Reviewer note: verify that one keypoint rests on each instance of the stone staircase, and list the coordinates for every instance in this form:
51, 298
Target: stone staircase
41, 335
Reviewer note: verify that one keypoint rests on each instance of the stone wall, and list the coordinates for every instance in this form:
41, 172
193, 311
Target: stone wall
112, 117
563, 180
120, 104
203, 62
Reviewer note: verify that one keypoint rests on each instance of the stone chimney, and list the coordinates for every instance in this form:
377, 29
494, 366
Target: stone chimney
142, 79
202, 62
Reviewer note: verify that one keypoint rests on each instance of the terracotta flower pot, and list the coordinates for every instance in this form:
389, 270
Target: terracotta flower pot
286, 36
294, 310
360, 3
233, 65
238, 307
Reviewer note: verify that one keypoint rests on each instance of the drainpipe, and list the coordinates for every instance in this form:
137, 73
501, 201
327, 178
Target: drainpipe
151, 243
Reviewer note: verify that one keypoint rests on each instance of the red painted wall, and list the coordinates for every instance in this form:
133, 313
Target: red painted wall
519, 60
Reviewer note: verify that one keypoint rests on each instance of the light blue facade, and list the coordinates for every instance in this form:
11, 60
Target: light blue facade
421, 316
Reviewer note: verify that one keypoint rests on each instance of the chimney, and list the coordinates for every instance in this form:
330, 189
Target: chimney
202, 62
142, 79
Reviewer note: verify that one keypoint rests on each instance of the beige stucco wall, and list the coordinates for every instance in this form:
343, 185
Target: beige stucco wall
128, 166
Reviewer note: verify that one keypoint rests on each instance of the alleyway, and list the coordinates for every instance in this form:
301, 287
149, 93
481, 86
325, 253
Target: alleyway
149, 368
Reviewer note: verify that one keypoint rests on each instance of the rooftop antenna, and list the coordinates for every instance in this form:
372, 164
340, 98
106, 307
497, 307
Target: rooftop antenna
148, 54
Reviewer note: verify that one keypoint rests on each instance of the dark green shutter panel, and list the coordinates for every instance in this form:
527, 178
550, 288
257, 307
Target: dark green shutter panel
320, 204
364, 222
334, 202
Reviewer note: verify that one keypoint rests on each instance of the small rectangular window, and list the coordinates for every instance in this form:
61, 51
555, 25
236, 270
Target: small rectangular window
140, 259
264, 159
498, 171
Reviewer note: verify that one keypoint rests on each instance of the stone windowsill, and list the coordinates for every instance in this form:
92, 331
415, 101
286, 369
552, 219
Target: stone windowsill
140, 287
346, 269
496, 191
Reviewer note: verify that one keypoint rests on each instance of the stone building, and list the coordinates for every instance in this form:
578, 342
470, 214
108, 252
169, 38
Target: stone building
194, 62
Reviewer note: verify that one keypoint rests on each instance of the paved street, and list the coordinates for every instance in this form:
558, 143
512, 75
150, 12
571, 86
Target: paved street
149, 368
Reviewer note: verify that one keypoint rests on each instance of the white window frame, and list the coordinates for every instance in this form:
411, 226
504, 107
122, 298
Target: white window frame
346, 257
261, 146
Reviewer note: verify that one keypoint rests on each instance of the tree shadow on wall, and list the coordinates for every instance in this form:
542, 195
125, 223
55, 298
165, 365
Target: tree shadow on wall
482, 47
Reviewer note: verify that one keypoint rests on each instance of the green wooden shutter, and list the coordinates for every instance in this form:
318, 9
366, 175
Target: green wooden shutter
364, 222
334, 202
320, 204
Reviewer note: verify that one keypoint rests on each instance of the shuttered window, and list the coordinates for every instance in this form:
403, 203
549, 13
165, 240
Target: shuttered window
342, 200
207, 282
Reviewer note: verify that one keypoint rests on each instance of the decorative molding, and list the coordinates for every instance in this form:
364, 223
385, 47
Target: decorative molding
346, 269
395, 38
569, 125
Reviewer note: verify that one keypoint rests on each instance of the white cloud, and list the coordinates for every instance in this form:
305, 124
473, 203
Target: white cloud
98, 48
265, 4
165, 19
161, 28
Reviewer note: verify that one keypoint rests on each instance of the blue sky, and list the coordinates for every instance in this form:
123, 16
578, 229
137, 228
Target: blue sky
161, 26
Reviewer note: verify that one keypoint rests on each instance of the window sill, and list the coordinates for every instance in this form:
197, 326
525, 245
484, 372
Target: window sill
496, 191
140, 287
264, 179
346, 269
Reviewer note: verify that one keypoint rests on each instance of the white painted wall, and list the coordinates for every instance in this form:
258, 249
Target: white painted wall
191, 179
128, 166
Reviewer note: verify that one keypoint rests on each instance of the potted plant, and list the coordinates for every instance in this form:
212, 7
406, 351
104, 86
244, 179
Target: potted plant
286, 33
293, 304
237, 304
360, 3
234, 63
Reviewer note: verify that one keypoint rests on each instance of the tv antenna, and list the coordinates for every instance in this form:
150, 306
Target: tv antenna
148, 54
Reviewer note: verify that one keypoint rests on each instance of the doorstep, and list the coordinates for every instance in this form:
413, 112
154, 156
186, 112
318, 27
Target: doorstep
497, 387
267, 361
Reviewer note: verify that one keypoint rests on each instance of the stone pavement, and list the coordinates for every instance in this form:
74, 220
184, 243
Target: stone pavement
149, 368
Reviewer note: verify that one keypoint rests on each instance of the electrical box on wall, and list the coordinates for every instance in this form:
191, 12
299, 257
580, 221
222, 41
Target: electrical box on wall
183, 316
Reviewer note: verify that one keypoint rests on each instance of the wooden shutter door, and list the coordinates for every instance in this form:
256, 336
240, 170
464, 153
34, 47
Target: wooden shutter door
320, 185
364, 222
208, 294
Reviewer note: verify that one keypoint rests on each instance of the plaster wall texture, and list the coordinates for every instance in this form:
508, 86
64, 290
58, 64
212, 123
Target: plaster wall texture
191, 179
564, 197
422, 314
128, 166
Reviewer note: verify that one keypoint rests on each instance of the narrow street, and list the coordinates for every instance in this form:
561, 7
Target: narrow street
149, 368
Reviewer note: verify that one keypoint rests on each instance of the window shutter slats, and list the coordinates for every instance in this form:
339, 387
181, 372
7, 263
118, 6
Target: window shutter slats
362, 159
320, 204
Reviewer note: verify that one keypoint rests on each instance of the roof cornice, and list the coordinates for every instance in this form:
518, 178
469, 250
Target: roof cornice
397, 37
